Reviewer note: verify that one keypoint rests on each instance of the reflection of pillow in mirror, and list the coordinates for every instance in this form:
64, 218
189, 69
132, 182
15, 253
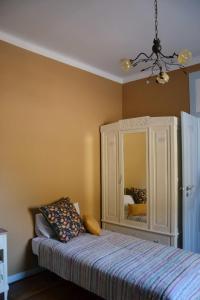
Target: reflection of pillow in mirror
129, 191
137, 209
128, 199
139, 195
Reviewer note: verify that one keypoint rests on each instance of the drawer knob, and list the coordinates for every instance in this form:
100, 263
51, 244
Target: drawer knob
156, 241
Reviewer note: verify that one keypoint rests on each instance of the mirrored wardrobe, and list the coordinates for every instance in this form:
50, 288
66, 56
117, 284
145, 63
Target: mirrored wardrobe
140, 178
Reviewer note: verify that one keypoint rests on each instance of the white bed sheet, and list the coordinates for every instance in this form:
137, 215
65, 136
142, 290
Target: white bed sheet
36, 243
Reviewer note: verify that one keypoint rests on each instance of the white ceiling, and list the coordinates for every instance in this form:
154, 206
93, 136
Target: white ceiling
95, 34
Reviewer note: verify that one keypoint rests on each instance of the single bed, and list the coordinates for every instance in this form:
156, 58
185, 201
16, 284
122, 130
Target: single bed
120, 267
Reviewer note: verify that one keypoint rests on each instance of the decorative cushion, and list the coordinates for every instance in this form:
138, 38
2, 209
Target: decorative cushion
43, 228
91, 225
64, 219
138, 195
137, 210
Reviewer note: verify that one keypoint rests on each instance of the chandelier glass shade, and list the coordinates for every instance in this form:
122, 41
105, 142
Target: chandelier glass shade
158, 63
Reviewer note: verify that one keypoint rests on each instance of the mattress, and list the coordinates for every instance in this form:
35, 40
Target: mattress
36, 244
120, 267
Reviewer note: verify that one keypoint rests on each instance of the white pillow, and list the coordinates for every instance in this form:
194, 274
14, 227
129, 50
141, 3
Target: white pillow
77, 207
128, 199
42, 227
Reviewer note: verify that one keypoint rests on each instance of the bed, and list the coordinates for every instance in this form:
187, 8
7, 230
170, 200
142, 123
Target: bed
120, 267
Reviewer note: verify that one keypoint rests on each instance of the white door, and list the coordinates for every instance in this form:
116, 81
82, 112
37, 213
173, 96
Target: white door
190, 182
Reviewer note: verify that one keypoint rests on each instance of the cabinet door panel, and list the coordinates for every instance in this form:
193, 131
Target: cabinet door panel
110, 191
160, 178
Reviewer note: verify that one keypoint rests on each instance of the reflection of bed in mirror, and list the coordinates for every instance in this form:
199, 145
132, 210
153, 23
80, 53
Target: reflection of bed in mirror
135, 175
135, 204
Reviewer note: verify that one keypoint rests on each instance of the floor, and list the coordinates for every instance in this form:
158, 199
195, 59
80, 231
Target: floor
47, 286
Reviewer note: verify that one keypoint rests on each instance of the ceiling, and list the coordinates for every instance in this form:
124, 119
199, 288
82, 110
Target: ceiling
95, 34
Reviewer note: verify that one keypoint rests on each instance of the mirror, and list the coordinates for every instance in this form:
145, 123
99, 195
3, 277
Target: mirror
135, 176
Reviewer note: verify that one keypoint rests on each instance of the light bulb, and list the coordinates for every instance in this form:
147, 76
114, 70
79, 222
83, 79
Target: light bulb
184, 56
126, 64
162, 78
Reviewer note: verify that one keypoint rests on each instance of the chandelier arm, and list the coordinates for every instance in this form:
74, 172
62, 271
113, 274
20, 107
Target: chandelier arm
152, 66
142, 53
145, 69
169, 56
158, 64
173, 64
140, 61
157, 67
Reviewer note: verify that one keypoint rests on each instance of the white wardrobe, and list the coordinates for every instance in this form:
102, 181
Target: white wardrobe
140, 171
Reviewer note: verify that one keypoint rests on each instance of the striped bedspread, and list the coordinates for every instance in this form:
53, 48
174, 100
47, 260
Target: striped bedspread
119, 267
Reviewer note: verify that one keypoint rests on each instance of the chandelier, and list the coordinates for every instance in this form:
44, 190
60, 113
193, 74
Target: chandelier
158, 63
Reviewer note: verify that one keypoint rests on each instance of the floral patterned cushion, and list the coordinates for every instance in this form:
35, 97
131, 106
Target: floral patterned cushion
63, 218
139, 195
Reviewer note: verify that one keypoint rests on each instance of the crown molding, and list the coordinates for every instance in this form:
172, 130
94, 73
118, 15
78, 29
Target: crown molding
11, 39
135, 76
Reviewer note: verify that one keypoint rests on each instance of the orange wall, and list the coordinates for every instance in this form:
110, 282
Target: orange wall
50, 115
141, 99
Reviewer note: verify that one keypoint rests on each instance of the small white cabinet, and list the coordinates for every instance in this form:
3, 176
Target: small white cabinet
141, 154
3, 263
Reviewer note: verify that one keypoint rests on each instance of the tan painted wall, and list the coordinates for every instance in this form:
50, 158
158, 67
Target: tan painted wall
141, 99
135, 160
50, 115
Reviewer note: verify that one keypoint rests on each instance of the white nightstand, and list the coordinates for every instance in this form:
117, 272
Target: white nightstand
3, 264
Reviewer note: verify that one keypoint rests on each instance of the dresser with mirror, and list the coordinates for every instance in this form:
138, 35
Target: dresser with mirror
140, 178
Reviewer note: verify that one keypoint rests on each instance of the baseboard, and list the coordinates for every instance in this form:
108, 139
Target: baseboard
25, 274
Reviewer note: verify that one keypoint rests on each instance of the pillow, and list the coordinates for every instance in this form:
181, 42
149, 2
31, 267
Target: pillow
137, 210
64, 219
42, 228
139, 195
91, 225
128, 199
76, 205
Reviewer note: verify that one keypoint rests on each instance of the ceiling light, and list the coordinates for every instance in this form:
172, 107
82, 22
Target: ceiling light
162, 78
158, 62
